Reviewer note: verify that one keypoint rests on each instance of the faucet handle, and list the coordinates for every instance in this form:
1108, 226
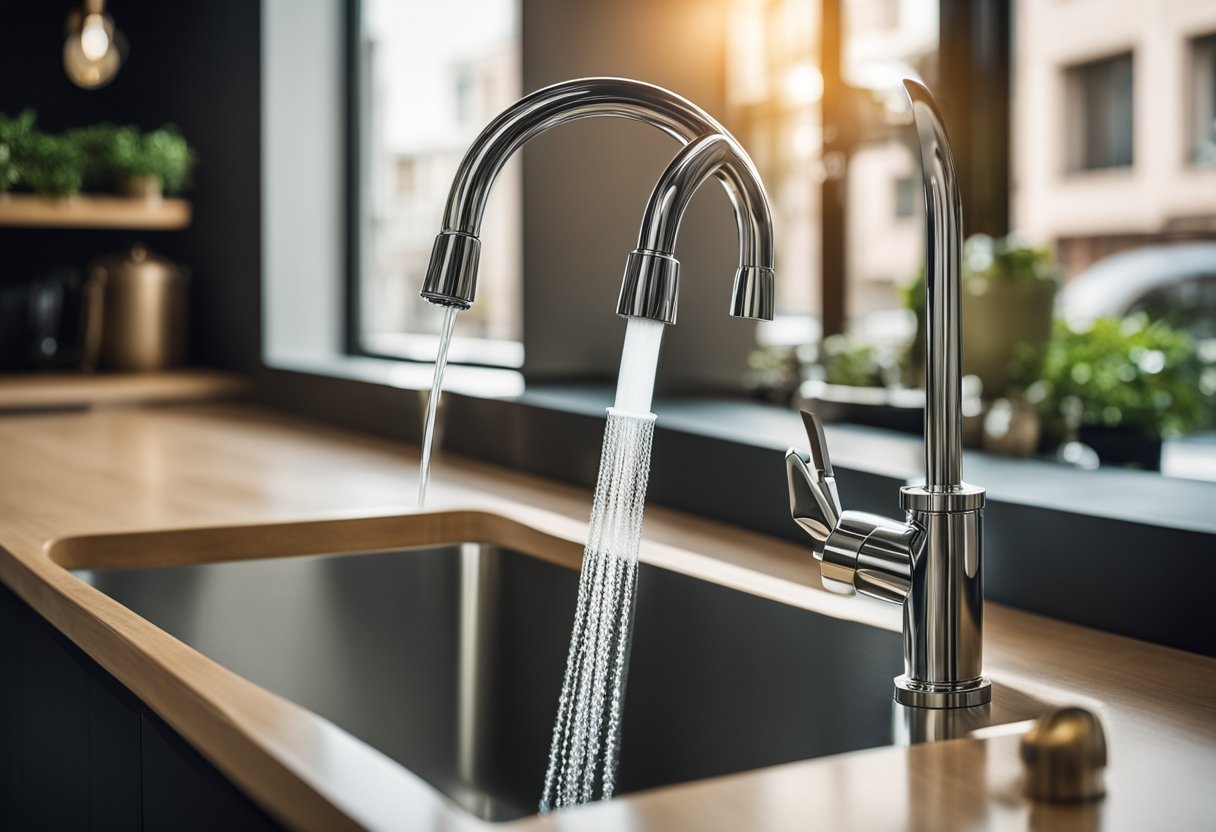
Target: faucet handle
818, 443
814, 501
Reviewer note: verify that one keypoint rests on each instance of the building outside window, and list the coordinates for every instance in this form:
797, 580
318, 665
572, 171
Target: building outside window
1160, 190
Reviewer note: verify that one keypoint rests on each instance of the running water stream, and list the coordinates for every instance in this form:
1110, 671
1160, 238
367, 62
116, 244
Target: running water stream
432, 402
586, 733
587, 730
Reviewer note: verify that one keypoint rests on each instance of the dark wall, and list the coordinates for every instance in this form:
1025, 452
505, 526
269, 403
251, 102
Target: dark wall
196, 65
586, 185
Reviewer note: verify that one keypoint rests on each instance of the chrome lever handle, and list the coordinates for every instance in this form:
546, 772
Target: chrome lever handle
814, 501
858, 552
818, 444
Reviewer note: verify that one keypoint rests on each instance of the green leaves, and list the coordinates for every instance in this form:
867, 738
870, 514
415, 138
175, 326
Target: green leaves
1129, 372
17, 136
51, 165
100, 157
849, 362
124, 153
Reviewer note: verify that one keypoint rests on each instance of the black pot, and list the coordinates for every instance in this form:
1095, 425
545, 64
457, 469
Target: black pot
1127, 446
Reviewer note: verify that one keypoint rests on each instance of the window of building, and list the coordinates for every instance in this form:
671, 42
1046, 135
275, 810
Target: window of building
458, 63
905, 197
1100, 114
1203, 104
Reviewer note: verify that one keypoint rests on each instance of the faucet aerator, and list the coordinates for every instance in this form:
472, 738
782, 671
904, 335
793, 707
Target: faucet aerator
651, 286
752, 295
451, 276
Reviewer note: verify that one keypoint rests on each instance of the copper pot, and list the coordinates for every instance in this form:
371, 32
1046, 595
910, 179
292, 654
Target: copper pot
137, 312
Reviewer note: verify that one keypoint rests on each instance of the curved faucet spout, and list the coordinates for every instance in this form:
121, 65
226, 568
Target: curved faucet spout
652, 272
943, 289
452, 274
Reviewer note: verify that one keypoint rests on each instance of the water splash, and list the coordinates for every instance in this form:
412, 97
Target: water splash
432, 402
586, 733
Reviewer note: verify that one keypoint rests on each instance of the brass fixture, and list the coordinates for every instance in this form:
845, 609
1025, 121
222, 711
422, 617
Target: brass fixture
94, 49
136, 313
1064, 756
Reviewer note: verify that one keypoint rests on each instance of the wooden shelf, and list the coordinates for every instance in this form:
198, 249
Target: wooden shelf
76, 390
32, 211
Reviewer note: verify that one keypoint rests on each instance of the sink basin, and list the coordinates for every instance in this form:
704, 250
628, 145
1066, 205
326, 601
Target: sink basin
449, 660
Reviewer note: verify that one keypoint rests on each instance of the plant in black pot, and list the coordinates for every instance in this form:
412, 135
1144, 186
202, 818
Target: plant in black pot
1120, 386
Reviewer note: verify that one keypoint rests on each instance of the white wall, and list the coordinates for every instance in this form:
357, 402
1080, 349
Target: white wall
303, 193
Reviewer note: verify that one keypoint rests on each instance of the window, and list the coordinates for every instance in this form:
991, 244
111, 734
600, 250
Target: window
429, 77
776, 87
905, 197
1203, 105
1100, 117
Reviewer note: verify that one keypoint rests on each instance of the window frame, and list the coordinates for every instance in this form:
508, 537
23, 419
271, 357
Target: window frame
1079, 86
469, 352
1204, 42
376, 397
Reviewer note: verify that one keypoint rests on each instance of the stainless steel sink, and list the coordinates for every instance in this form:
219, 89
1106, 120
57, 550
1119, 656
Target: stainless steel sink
450, 660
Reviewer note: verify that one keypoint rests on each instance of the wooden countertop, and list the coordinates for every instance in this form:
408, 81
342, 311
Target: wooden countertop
78, 390
120, 471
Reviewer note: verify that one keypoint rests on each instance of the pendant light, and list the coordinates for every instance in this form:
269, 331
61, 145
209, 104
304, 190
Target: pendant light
94, 48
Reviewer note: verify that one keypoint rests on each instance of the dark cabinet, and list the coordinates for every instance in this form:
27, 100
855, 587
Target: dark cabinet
78, 751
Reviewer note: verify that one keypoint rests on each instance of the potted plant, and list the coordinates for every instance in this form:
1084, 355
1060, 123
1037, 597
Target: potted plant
96, 145
852, 381
1009, 289
773, 373
150, 164
1119, 386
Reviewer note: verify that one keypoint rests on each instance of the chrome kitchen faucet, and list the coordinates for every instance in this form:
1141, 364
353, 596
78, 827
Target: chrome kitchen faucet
650, 285
930, 562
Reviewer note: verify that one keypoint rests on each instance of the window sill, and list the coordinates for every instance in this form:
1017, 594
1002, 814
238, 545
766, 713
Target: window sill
1053, 533
487, 382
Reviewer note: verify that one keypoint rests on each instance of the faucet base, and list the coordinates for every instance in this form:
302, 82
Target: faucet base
927, 695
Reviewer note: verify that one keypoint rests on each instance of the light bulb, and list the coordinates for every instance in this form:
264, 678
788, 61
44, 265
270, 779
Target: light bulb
94, 48
94, 38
